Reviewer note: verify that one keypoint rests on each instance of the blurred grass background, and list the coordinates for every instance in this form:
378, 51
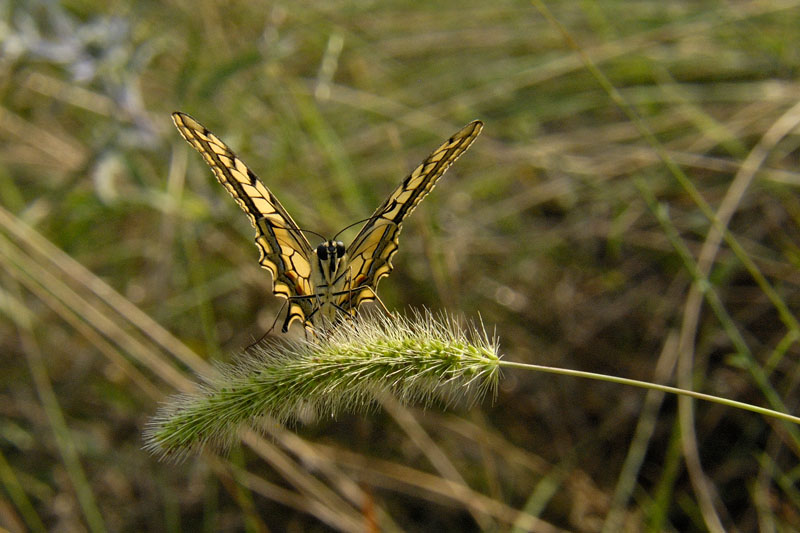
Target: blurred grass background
125, 268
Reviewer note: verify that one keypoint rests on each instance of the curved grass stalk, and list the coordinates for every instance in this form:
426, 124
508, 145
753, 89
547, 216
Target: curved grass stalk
422, 359
654, 386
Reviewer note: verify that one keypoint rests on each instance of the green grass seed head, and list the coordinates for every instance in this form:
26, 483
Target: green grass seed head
421, 359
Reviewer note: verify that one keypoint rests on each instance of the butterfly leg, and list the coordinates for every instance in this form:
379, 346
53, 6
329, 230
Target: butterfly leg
314, 312
377, 298
289, 316
274, 322
349, 314
352, 311
308, 323
380, 302
272, 327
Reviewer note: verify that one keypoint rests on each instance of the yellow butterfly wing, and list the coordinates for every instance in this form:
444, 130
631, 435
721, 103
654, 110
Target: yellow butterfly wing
285, 251
370, 253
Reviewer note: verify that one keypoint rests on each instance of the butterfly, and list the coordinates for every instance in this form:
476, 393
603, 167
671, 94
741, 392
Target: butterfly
321, 282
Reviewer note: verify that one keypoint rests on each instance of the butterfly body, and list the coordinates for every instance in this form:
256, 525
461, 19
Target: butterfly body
324, 282
329, 270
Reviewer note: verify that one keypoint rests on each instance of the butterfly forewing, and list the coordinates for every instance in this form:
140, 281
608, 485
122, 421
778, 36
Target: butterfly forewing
285, 251
370, 254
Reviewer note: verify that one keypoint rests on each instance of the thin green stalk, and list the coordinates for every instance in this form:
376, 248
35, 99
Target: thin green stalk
744, 355
652, 386
422, 359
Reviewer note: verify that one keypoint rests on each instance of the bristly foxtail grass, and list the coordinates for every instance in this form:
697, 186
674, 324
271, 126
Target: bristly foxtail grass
421, 359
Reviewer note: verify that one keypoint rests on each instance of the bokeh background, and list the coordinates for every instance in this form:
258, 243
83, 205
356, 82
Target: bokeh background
578, 225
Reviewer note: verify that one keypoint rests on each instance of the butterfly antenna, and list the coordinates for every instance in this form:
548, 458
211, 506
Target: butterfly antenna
309, 231
271, 328
302, 230
353, 224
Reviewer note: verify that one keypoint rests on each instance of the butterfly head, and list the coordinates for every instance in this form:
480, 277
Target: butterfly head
330, 254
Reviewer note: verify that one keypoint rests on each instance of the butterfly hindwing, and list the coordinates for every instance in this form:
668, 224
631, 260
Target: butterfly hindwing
370, 254
285, 251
